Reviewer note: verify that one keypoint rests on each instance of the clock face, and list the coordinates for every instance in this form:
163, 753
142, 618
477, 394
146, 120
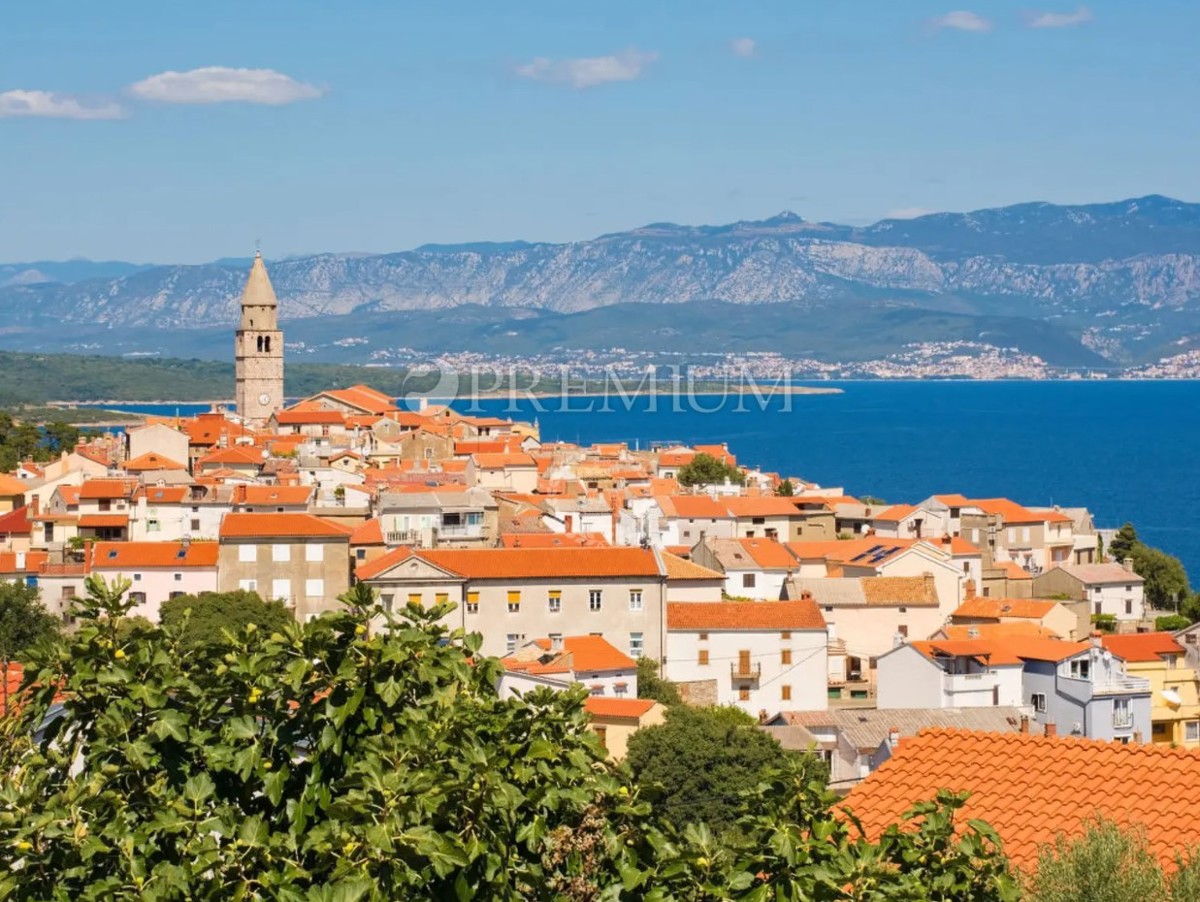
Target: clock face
264, 399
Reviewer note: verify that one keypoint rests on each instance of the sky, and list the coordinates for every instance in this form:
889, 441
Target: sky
183, 132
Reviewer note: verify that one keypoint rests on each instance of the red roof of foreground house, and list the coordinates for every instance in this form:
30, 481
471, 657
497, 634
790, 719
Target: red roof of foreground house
624, 708
744, 615
589, 653
148, 555
369, 532
762, 506
242, 455
502, 461
553, 540
250, 526
1032, 788
1143, 646
1004, 630
33, 562
525, 563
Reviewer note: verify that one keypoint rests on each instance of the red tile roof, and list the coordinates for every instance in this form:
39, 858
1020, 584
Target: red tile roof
225, 456
163, 494
592, 653
10, 486
310, 417
107, 489
103, 521
744, 615
272, 494
244, 526
1142, 646
997, 608
1032, 788
152, 461
525, 563
896, 513
16, 522
369, 532
764, 506
553, 540
34, 561
1014, 628
502, 461
138, 555
617, 708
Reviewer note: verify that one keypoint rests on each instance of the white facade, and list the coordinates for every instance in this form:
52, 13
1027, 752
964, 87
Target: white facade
151, 586
907, 677
756, 670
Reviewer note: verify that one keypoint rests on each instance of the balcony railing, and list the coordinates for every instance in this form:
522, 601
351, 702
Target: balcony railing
970, 682
404, 537
1120, 684
740, 671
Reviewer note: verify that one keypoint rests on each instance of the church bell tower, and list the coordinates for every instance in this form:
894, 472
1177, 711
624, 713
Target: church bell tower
258, 349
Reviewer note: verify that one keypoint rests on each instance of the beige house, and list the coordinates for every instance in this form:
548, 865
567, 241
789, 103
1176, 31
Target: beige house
614, 720
511, 595
297, 558
509, 472
160, 439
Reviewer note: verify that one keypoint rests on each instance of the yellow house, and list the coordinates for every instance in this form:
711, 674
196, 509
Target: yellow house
614, 720
1174, 700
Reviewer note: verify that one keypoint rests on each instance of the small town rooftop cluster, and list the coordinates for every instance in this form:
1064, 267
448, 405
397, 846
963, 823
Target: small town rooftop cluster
864, 631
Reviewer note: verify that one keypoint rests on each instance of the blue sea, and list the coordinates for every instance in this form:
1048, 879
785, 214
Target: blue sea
1125, 450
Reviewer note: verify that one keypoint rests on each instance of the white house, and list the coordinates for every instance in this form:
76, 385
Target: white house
761, 656
971, 673
1107, 588
157, 571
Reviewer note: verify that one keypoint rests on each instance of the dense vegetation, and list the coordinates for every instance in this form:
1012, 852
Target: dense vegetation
704, 469
1166, 585
24, 440
214, 618
24, 623
361, 756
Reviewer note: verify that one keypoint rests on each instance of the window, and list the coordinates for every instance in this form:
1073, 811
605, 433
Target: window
247, 554
1012, 535
554, 601
360, 554
702, 658
635, 645
137, 577
743, 693
704, 637
602, 735
68, 593
1099, 608
1025, 534
387, 601
635, 599
175, 594
902, 629
785, 693
472, 602
281, 588
747, 580
1081, 669
195, 526
1122, 714
514, 601
137, 597
414, 599
1038, 702
178, 577
786, 634
511, 640
151, 526
281, 552
1128, 605
903, 609
596, 688
314, 588
248, 585
595, 599
1191, 731
620, 690
785, 657
1129, 588
314, 552
441, 598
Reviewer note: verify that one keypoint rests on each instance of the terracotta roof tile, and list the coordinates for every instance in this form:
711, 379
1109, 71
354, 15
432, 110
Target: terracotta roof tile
169, 555
744, 615
1032, 788
369, 532
526, 563
998, 608
10, 486
241, 526
592, 653
152, 461
1142, 646
623, 708
680, 569
103, 521
107, 489
16, 522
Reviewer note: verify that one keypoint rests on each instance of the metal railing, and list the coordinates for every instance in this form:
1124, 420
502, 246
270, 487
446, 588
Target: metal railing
739, 671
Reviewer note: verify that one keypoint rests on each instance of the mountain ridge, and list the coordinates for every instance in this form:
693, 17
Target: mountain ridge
1106, 273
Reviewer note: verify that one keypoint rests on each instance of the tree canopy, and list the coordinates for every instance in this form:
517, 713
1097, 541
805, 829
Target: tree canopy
1166, 579
704, 469
785, 489
652, 685
214, 618
24, 623
365, 755
705, 758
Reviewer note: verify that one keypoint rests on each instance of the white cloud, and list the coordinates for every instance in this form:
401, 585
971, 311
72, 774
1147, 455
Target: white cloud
907, 213
961, 20
590, 71
219, 84
50, 105
1059, 20
743, 47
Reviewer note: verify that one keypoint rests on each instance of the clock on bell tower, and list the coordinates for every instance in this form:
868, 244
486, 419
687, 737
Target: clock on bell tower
258, 349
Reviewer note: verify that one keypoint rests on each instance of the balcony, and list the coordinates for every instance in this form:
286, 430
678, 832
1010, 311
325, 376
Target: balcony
745, 671
404, 537
970, 682
1120, 685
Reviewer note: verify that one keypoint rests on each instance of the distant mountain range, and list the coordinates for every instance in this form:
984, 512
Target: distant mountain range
1116, 282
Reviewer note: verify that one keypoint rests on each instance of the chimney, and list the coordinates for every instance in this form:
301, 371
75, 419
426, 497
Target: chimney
969, 589
87, 556
1137, 737
806, 595
569, 520
1025, 725
35, 504
1128, 564
1096, 634
893, 736
1051, 729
